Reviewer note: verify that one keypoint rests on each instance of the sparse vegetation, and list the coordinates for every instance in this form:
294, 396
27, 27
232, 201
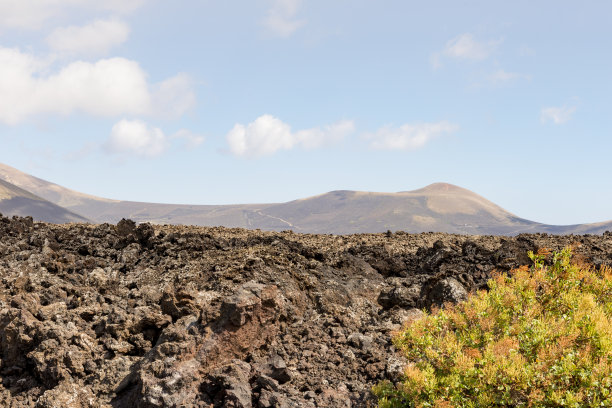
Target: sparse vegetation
540, 337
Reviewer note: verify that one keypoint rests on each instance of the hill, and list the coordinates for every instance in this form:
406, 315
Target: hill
438, 207
17, 201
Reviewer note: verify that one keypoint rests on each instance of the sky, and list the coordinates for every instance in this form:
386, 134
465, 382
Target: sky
253, 101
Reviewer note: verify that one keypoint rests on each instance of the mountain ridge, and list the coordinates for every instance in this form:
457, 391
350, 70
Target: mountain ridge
17, 201
439, 207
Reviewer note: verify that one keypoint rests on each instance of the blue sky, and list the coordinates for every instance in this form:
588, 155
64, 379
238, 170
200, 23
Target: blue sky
215, 102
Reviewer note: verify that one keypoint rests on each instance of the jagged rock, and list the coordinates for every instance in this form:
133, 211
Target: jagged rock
179, 304
401, 296
403, 316
240, 306
275, 368
170, 316
395, 366
267, 383
334, 398
145, 234
446, 290
125, 227
230, 385
360, 341
436, 255
68, 395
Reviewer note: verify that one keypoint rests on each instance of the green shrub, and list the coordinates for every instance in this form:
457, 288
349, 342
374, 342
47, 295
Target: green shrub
541, 337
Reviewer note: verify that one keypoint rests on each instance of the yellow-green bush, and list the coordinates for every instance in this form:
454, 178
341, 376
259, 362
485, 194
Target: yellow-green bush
541, 337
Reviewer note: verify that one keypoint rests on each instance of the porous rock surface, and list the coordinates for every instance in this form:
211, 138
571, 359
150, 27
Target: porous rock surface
174, 316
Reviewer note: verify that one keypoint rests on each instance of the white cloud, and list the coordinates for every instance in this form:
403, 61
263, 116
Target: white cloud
96, 38
409, 136
135, 137
281, 17
190, 139
32, 14
267, 135
117, 6
138, 138
108, 87
557, 115
465, 47
329, 134
173, 96
501, 76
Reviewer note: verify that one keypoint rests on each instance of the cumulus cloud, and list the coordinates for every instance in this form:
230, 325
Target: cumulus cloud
32, 14
409, 136
108, 87
137, 138
96, 38
465, 47
281, 17
557, 115
267, 135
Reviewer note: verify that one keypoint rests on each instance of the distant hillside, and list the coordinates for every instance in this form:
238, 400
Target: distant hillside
57, 194
17, 201
438, 207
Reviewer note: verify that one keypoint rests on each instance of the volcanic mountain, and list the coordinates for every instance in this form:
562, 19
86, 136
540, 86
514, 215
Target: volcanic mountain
439, 207
17, 201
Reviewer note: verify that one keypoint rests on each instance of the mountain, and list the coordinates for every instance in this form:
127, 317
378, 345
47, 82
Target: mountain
105, 210
59, 195
438, 207
17, 201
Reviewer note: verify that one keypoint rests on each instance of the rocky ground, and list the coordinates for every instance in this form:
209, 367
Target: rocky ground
174, 316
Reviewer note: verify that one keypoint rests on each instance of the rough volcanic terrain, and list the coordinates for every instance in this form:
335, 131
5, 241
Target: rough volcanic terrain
167, 316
